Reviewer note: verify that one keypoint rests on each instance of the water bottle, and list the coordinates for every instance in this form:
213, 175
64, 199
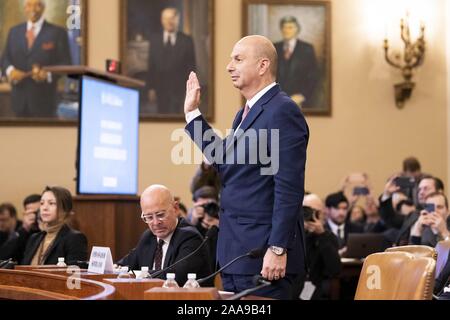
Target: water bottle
170, 282
61, 262
124, 273
144, 273
192, 282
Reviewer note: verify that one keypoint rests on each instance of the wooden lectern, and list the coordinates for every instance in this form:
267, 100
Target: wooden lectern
110, 221
107, 221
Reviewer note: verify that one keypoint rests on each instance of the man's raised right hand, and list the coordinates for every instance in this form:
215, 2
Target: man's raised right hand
192, 93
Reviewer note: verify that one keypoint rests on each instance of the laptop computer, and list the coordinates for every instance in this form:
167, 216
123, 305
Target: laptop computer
360, 245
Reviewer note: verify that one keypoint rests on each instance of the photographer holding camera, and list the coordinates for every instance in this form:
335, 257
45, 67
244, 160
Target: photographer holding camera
205, 215
404, 222
15, 247
363, 206
211, 216
202, 196
322, 250
433, 223
211, 220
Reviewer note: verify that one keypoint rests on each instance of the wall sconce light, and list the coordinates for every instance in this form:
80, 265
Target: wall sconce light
413, 56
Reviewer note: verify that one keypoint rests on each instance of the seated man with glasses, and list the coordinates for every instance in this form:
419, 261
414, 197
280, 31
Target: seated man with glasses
168, 239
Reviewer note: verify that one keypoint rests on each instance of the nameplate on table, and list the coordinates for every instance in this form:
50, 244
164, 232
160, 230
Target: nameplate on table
101, 260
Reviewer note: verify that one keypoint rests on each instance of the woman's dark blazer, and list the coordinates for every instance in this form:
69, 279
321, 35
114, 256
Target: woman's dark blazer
68, 244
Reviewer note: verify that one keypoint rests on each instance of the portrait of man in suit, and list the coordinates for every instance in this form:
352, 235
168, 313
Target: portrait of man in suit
298, 70
30, 46
163, 40
301, 33
172, 57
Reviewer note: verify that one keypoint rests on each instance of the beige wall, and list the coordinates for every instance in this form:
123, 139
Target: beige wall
366, 132
448, 86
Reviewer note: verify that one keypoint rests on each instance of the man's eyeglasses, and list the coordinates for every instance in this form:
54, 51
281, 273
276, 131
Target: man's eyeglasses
159, 216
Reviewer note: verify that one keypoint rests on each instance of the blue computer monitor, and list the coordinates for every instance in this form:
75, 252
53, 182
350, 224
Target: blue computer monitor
107, 139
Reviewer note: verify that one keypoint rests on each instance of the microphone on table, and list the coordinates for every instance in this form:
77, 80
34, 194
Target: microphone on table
3, 263
7, 264
254, 254
259, 283
211, 232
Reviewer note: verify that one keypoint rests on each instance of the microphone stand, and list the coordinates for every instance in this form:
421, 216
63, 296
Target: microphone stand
200, 281
249, 291
254, 254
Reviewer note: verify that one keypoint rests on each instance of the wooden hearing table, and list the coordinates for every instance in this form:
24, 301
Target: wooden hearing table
51, 282
31, 285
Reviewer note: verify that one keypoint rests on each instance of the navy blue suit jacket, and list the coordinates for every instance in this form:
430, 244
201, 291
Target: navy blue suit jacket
51, 47
261, 210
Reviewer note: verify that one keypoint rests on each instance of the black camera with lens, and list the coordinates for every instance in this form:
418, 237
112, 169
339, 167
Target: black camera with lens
309, 214
212, 209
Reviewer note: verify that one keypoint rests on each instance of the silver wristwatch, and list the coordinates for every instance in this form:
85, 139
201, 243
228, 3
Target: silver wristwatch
277, 250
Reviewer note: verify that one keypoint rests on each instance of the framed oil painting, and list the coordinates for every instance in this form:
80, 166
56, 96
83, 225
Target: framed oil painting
35, 34
162, 42
300, 31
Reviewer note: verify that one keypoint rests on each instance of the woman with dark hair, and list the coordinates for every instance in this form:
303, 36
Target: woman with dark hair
357, 215
57, 239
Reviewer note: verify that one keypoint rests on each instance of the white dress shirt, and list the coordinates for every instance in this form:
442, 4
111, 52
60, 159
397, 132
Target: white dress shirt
254, 100
37, 26
291, 44
164, 249
337, 230
170, 36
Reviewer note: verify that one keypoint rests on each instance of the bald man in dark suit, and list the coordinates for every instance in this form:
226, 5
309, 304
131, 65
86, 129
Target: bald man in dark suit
168, 239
